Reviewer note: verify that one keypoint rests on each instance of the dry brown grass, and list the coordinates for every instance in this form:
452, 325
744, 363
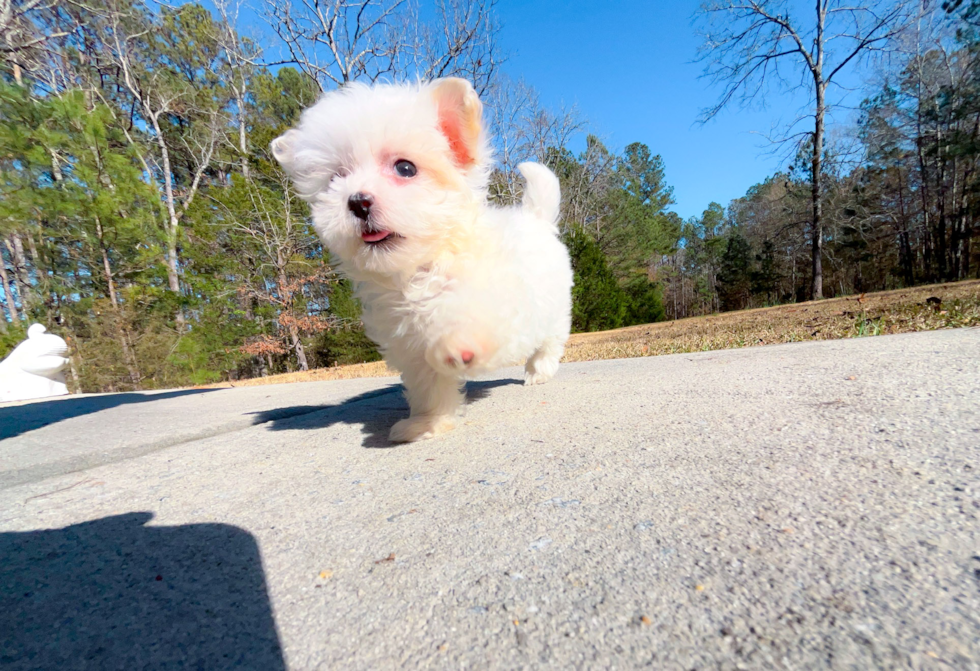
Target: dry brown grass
899, 311
373, 369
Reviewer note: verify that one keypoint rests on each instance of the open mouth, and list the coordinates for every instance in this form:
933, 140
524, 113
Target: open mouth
378, 238
374, 236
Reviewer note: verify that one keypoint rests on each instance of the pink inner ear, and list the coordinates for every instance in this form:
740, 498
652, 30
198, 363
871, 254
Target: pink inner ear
449, 124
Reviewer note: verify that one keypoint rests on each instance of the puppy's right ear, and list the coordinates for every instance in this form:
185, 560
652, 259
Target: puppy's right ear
460, 120
283, 149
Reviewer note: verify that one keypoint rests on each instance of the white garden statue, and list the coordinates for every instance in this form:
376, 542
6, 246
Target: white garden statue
35, 368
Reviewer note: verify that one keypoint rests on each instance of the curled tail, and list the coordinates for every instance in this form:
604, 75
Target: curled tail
542, 195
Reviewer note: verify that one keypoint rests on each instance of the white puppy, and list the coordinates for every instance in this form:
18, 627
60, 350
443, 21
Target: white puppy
396, 177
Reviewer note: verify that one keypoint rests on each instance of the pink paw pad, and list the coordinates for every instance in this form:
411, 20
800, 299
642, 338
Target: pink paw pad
465, 355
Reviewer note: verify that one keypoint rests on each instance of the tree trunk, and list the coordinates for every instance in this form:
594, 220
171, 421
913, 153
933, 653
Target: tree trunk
816, 238
298, 347
173, 221
55, 166
11, 288
242, 136
21, 270
8, 293
816, 193
129, 355
942, 250
927, 254
72, 364
294, 338
286, 296
904, 243
129, 358
107, 268
956, 242
906, 251
961, 231
923, 176
966, 259
12, 56
173, 276
35, 257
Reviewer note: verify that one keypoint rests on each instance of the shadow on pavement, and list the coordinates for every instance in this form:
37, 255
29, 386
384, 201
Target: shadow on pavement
117, 594
18, 419
376, 411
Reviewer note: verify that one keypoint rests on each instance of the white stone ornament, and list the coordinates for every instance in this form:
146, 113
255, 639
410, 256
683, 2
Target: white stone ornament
35, 368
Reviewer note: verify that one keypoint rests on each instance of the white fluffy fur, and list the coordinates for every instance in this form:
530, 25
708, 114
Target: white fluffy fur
463, 277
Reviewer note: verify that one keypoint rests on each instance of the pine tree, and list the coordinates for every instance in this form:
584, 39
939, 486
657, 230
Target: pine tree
598, 302
735, 273
765, 281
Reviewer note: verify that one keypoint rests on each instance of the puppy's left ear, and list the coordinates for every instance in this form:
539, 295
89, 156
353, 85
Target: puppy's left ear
283, 149
460, 119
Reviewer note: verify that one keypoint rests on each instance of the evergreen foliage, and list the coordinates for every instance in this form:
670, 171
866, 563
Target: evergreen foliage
598, 302
143, 218
765, 280
347, 343
735, 273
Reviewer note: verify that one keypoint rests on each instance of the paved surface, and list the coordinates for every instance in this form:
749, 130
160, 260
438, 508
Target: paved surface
799, 506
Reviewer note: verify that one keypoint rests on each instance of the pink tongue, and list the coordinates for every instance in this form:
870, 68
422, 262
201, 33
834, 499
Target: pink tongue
375, 236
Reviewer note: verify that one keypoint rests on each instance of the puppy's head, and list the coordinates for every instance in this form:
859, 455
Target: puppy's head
394, 174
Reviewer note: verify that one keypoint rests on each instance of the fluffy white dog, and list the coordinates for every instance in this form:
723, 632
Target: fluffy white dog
396, 177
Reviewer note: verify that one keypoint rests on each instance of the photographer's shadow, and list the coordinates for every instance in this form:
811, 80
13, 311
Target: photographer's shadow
375, 411
117, 594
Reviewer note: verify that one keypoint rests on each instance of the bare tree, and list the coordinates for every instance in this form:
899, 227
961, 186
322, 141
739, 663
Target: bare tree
522, 130
19, 34
240, 55
585, 187
750, 45
340, 41
280, 249
461, 43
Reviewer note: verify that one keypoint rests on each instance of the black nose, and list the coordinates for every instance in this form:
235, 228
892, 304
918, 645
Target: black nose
360, 204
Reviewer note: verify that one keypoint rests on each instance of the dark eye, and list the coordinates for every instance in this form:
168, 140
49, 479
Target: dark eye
405, 168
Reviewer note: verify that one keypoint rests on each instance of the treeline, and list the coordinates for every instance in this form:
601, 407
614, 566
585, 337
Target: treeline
902, 201
142, 217
900, 196
898, 190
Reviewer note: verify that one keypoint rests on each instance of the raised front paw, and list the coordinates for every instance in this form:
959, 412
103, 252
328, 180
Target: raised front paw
455, 354
420, 427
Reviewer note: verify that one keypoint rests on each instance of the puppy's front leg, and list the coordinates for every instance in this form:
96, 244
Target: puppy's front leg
459, 349
434, 399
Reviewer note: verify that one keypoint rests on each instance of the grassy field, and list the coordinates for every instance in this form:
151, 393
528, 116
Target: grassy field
927, 308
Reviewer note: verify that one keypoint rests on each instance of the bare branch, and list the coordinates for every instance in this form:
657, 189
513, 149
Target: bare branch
340, 41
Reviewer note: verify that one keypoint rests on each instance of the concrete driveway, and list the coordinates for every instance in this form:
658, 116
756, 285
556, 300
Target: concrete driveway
813, 505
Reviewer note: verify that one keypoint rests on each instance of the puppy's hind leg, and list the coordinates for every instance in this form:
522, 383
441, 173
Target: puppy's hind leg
543, 364
433, 399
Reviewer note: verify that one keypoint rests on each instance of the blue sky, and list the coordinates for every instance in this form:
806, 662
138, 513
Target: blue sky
629, 68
